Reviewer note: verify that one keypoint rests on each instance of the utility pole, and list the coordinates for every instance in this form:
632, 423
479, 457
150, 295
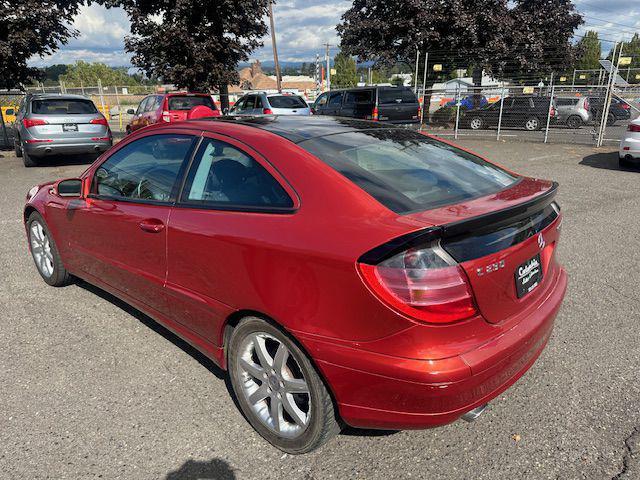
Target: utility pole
275, 48
326, 55
415, 75
610, 86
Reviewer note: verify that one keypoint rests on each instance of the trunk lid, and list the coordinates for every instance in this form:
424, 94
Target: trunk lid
502, 241
68, 126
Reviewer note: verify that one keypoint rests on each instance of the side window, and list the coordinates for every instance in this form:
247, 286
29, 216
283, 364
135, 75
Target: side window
358, 96
143, 105
224, 176
521, 103
321, 101
145, 169
259, 103
335, 99
152, 104
239, 105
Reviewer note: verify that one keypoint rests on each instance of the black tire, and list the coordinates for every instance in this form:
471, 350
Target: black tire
476, 123
532, 124
323, 423
574, 121
60, 276
17, 148
28, 160
611, 120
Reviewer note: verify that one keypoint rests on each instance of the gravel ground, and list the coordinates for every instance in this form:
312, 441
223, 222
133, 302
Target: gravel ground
90, 388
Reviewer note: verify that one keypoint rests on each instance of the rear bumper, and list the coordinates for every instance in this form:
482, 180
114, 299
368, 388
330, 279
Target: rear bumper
58, 148
380, 391
630, 148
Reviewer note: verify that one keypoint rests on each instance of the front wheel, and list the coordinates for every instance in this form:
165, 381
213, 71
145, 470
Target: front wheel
532, 124
278, 389
45, 253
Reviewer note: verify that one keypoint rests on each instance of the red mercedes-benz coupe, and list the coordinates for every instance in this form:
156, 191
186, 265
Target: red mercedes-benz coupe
341, 271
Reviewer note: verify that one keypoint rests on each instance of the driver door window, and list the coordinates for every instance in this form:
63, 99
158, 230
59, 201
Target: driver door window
144, 170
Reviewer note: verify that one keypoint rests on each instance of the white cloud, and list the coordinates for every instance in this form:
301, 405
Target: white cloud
302, 27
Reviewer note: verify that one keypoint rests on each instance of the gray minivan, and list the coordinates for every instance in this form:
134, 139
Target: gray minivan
383, 103
52, 124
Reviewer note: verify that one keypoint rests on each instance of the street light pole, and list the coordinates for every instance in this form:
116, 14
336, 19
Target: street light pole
275, 48
328, 66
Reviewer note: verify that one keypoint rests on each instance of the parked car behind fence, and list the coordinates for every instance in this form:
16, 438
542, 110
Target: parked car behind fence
385, 104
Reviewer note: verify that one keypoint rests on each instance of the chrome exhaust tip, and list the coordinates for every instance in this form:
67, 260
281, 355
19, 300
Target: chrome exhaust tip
471, 415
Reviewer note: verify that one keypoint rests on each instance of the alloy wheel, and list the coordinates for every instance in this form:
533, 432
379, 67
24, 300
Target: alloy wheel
41, 249
274, 385
532, 124
476, 123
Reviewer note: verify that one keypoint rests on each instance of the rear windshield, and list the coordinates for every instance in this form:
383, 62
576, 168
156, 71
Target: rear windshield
396, 95
61, 106
407, 171
188, 102
287, 101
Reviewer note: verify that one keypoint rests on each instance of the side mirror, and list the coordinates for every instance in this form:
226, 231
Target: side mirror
131, 111
69, 188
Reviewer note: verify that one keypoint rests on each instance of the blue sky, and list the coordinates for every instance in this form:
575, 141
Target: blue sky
302, 27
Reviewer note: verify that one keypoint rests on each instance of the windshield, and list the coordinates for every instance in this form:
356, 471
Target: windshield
61, 106
407, 171
188, 102
287, 101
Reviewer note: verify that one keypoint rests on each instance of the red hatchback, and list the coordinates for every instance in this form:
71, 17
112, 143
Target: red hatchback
341, 271
171, 107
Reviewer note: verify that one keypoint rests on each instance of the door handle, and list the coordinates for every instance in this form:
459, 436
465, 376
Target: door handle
152, 225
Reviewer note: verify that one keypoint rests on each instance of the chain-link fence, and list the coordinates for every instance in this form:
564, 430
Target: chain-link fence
558, 113
547, 113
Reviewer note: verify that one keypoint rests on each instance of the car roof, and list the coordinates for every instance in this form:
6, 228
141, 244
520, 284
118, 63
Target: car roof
298, 128
62, 96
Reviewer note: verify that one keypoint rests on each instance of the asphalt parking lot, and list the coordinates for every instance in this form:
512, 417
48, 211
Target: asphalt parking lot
90, 388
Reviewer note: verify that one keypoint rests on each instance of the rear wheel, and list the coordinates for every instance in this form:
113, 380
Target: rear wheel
28, 160
45, 253
574, 121
611, 119
278, 389
532, 124
476, 123
17, 147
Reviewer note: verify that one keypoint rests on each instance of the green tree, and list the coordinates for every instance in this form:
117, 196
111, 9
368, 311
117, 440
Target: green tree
87, 74
589, 51
503, 37
31, 28
345, 71
192, 44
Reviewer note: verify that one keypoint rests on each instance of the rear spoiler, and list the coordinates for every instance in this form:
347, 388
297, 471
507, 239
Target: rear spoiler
481, 223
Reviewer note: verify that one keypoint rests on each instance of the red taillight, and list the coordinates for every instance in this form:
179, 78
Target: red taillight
267, 111
587, 105
33, 122
422, 285
100, 139
552, 111
625, 106
374, 114
634, 127
39, 140
100, 121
